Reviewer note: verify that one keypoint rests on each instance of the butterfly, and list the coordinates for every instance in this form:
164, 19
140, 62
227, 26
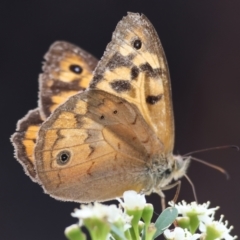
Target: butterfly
115, 136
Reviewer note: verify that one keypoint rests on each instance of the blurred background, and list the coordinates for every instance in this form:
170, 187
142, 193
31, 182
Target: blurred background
202, 44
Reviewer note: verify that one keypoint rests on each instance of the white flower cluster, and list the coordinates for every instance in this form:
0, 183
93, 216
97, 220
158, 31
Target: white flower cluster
109, 213
202, 211
207, 224
133, 220
110, 219
220, 227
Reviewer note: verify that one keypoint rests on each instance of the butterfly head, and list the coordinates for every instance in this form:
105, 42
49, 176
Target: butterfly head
174, 167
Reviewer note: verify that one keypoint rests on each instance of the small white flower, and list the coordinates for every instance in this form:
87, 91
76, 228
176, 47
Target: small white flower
180, 234
110, 213
100, 211
133, 200
219, 227
202, 211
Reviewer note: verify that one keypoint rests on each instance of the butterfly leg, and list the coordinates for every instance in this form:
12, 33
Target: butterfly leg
161, 194
177, 191
163, 198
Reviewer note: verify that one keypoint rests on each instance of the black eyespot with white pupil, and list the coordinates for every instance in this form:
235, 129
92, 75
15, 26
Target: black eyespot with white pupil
137, 44
63, 157
76, 68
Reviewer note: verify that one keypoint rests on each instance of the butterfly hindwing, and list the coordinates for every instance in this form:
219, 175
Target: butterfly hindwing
134, 67
24, 140
93, 137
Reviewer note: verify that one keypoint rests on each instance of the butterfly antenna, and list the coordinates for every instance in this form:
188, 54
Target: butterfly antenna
193, 187
212, 166
213, 148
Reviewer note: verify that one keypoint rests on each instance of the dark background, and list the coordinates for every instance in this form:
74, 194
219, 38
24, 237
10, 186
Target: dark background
201, 41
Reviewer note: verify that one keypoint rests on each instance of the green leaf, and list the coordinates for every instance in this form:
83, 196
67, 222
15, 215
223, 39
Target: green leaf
165, 219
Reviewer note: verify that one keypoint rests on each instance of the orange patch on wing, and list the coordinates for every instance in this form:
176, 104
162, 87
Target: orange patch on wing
29, 141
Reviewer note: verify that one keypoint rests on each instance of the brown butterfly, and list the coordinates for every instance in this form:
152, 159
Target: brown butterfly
117, 135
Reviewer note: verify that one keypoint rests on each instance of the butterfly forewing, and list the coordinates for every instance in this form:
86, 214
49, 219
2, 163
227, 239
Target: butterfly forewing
134, 67
66, 71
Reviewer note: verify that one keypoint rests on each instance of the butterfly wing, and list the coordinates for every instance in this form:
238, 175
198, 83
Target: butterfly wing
134, 67
94, 147
66, 71
24, 140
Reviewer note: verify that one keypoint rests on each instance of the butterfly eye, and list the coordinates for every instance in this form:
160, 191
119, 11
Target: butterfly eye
167, 172
76, 68
137, 44
63, 157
